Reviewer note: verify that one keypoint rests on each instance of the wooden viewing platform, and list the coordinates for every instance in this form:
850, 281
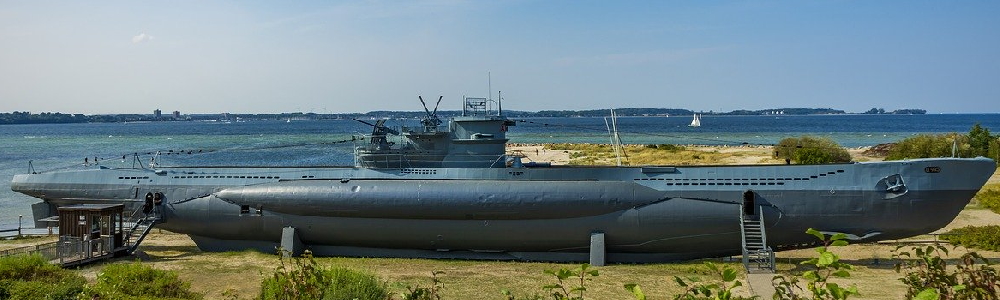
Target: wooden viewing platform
90, 232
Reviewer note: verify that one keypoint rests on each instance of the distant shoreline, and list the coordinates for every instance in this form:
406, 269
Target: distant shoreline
62, 118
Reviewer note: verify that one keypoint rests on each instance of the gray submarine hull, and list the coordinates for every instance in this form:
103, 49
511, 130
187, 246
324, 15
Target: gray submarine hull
645, 213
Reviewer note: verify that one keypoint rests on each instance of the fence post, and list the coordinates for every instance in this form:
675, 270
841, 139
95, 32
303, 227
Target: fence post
19, 217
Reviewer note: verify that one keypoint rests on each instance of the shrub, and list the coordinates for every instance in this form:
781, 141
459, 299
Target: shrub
669, 147
32, 277
979, 141
989, 198
347, 284
136, 280
811, 150
694, 288
827, 265
570, 284
979, 237
928, 276
424, 293
994, 151
927, 145
812, 156
304, 279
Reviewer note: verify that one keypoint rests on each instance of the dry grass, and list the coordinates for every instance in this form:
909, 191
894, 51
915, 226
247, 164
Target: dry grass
640, 155
214, 273
26, 241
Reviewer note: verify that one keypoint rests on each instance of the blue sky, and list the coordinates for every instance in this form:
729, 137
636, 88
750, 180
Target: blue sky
358, 56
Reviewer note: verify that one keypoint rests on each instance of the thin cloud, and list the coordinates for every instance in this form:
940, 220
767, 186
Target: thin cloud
142, 37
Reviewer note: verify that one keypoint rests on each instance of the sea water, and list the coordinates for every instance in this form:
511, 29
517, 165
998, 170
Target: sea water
331, 142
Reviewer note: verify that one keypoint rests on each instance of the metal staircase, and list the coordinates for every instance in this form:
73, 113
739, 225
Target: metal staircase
141, 221
757, 256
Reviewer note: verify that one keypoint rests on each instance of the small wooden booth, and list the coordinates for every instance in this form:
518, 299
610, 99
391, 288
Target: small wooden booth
89, 232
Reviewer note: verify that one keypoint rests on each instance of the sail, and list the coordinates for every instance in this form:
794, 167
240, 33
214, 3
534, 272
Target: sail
696, 122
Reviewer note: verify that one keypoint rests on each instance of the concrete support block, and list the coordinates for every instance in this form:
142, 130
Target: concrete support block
290, 243
597, 254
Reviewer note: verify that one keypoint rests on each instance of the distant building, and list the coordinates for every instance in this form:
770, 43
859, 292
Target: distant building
157, 113
177, 114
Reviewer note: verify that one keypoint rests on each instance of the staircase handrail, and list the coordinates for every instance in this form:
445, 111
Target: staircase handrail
138, 240
743, 238
135, 218
763, 233
763, 238
140, 218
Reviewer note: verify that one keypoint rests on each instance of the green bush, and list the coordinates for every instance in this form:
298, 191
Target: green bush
424, 293
994, 151
669, 147
812, 156
978, 237
570, 284
304, 279
928, 145
979, 141
989, 198
928, 276
827, 266
135, 280
349, 284
811, 150
32, 277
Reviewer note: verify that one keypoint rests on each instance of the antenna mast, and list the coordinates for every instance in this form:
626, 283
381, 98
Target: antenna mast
616, 141
499, 104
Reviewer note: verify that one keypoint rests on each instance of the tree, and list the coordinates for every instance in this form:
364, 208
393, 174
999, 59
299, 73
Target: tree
994, 152
979, 141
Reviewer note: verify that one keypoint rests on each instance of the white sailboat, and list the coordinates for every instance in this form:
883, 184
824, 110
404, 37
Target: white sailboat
696, 122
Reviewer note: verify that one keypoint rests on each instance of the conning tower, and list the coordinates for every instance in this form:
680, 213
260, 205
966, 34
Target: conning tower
476, 139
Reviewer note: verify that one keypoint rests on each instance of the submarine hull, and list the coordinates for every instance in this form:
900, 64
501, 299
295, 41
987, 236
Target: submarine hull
644, 213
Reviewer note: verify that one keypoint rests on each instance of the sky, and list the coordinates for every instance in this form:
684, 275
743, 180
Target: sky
106, 57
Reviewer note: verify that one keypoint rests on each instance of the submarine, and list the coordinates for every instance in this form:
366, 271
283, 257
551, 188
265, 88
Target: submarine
449, 190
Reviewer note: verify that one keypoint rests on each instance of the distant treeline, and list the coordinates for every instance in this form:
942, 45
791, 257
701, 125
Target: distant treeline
908, 111
42, 118
29, 118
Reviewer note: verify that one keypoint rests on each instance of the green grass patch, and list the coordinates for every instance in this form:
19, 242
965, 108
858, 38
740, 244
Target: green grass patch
304, 278
989, 197
978, 237
139, 281
32, 277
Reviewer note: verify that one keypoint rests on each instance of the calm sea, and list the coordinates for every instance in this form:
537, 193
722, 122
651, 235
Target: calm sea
303, 143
